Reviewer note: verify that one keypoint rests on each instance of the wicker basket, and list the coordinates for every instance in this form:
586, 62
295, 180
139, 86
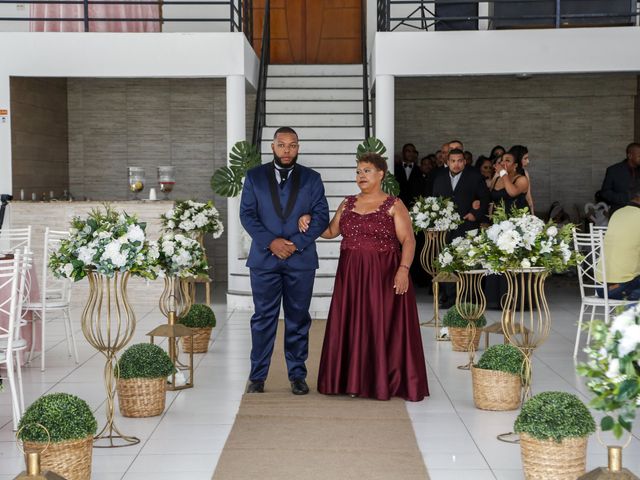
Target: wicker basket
460, 339
200, 340
549, 460
495, 390
141, 397
70, 459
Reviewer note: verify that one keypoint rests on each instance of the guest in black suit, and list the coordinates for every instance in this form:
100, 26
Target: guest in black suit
408, 175
468, 190
622, 177
428, 170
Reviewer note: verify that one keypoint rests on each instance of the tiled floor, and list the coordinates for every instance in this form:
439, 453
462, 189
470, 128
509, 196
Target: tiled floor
457, 440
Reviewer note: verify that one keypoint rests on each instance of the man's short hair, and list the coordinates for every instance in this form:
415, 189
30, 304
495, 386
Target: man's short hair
285, 130
407, 145
456, 141
631, 146
456, 151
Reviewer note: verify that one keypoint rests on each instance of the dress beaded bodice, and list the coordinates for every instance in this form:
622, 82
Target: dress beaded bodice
369, 231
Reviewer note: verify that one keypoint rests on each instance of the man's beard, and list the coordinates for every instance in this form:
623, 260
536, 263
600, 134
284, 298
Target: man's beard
276, 159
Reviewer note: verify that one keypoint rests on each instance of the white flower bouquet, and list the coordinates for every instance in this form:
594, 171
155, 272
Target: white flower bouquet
613, 369
193, 218
515, 241
435, 213
179, 255
106, 241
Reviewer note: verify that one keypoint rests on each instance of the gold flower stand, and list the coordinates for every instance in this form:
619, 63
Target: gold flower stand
108, 323
433, 243
470, 304
526, 321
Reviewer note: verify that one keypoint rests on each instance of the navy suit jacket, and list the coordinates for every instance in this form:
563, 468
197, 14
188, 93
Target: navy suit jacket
268, 212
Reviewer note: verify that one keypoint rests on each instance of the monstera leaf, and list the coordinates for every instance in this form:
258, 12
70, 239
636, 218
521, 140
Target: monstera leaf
389, 185
371, 145
227, 181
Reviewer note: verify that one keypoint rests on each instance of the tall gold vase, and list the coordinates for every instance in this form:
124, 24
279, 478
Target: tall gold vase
470, 304
433, 243
108, 323
176, 297
526, 321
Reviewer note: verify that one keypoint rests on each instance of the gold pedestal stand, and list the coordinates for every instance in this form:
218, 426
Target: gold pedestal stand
471, 304
108, 323
526, 321
175, 302
433, 243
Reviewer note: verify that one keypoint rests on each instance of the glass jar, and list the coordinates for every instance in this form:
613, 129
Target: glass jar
136, 180
166, 179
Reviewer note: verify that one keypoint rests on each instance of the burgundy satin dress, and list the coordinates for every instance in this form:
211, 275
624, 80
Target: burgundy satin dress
372, 345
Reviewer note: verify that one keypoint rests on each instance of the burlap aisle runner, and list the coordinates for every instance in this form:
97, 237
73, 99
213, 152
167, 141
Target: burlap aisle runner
279, 436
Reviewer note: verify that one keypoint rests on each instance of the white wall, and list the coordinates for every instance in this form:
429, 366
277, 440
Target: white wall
578, 50
133, 55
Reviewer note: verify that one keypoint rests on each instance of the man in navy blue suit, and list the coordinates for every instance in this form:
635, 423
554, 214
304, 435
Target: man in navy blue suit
282, 260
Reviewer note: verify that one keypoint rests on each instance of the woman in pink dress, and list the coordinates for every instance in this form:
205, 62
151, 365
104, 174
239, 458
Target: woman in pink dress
372, 345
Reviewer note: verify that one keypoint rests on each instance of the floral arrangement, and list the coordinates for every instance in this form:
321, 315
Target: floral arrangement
435, 213
515, 241
106, 241
179, 255
613, 369
193, 218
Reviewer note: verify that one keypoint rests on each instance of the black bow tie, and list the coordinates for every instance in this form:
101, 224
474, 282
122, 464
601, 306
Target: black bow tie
284, 174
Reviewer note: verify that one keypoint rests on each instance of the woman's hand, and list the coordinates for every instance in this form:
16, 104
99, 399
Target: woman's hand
303, 223
401, 280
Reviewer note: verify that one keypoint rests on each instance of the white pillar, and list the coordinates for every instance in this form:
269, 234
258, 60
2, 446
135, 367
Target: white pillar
385, 114
236, 132
6, 183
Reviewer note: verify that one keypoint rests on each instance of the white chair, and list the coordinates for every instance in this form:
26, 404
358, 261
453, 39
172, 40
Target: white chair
55, 296
592, 276
15, 238
9, 306
593, 228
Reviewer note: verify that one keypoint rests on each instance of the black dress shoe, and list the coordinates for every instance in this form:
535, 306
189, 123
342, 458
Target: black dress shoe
255, 387
299, 387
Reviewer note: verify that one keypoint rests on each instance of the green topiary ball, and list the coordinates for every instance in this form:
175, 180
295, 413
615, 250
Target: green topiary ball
504, 358
453, 319
555, 415
199, 316
144, 360
65, 416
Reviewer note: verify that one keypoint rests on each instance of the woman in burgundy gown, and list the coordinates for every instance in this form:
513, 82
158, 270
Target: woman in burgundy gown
372, 344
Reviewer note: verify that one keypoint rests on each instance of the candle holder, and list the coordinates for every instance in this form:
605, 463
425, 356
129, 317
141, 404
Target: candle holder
136, 181
166, 179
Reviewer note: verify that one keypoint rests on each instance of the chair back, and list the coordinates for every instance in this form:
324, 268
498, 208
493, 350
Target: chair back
49, 284
9, 300
15, 238
24, 285
592, 269
593, 228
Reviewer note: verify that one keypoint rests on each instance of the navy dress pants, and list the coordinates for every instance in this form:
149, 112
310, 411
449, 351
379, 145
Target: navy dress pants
294, 289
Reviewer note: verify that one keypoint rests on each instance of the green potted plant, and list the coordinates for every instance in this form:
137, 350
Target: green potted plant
496, 378
143, 369
554, 428
201, 319
69, 427
457, 327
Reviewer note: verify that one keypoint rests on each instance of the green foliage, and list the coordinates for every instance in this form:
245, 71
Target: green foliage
555, 415
227, 181
390, 185
503, 358
144, 360
65, 416
613, 370
371, 145
453, 318
199, 316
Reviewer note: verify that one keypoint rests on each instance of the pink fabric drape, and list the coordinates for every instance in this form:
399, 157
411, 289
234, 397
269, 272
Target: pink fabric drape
95, 11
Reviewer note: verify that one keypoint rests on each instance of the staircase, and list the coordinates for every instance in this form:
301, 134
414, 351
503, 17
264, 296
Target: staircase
323, 104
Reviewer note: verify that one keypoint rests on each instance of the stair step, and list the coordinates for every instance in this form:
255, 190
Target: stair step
314, 94
314, 106
314, 82
343, 188
340, 174
337, 119
301, 70
321, 146
318, 133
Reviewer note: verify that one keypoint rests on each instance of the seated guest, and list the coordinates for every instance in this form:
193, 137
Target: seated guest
622, 250
621, 178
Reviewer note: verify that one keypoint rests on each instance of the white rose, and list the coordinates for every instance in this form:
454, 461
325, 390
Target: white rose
525, 263
552, 231
67, 270
629, 341
135, 234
